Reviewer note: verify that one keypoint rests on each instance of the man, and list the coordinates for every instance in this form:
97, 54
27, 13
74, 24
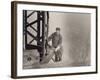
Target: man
56, 39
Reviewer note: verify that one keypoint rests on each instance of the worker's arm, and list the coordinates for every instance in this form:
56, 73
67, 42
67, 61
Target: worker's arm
50, 37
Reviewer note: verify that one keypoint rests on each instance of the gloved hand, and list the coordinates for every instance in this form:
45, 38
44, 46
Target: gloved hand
57, 48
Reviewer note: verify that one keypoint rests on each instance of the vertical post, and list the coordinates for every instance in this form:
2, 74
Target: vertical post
38, 33
47, 30
38, 29
47, 22
24, 26
43, 33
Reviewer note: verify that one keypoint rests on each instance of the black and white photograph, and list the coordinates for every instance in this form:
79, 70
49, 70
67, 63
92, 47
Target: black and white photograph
53, 39
56, 39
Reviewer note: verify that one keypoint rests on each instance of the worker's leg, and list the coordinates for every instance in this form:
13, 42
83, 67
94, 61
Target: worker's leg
59, 54
56, 56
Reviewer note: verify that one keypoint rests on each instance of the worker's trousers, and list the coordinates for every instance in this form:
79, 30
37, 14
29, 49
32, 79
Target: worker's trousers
58, 54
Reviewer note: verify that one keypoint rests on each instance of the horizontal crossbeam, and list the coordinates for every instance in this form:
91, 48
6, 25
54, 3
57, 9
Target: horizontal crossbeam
29, 47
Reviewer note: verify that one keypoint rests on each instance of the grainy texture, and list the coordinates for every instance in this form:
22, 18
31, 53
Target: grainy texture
75, 30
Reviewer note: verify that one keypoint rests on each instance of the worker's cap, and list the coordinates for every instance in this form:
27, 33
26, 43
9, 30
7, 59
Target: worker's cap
58, 28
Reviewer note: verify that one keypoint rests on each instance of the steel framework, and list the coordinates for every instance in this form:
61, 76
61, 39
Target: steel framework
41, 29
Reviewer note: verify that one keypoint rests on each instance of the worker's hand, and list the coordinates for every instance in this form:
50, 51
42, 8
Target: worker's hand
56, 50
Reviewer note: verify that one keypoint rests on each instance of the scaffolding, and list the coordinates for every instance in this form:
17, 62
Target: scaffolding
42, 26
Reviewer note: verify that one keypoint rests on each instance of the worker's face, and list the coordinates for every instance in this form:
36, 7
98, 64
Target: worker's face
58, 31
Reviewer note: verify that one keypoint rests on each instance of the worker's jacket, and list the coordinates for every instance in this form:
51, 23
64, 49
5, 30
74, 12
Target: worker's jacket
56, 39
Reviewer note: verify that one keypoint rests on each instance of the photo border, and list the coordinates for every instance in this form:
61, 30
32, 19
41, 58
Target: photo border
14, 37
